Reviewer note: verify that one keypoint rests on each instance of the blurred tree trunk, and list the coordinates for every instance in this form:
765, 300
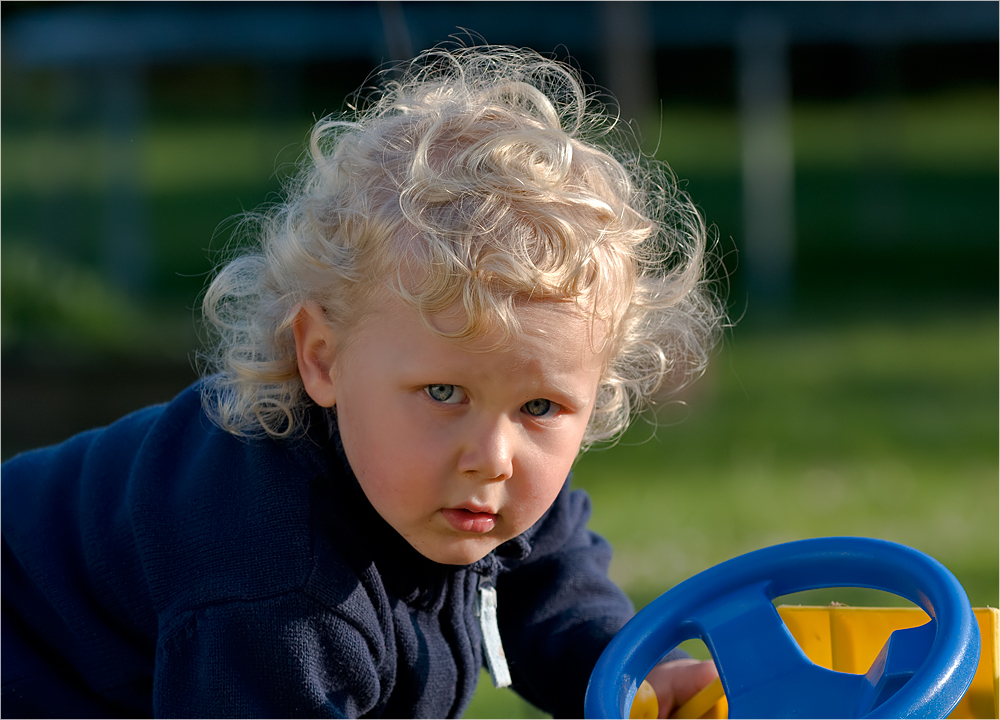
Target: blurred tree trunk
629, 57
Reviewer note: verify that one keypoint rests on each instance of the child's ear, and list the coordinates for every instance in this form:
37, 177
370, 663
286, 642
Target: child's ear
315, 348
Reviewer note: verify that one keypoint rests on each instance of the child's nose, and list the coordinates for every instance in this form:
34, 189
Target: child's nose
488, 449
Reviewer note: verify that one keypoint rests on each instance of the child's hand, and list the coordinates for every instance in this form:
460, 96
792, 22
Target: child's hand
677, 681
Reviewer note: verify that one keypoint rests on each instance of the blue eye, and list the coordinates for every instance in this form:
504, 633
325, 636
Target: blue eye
445, 393
539, 407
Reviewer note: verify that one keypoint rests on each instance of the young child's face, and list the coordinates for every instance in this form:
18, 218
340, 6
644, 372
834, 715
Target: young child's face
460, 450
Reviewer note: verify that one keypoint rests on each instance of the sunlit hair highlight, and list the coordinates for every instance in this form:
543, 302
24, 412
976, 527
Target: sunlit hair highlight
482, 178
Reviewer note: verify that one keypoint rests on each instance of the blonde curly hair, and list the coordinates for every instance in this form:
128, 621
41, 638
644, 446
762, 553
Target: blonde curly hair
484, 176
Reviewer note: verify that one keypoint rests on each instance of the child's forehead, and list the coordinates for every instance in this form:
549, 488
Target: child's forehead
554, 319
535, 316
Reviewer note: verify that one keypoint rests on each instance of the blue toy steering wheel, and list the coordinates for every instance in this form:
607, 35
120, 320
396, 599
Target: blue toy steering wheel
922, 672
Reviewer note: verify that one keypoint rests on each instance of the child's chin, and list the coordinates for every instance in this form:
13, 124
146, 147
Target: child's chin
461, 552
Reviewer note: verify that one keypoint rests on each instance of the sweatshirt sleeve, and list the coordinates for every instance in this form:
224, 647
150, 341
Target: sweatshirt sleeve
558, 609
283, 657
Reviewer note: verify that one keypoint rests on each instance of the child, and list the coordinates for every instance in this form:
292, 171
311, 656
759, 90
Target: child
369, 499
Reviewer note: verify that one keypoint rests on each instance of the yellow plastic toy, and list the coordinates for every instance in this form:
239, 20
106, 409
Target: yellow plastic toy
848, 639
645, 706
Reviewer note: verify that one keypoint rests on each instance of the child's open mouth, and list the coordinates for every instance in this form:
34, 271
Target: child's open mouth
470, 521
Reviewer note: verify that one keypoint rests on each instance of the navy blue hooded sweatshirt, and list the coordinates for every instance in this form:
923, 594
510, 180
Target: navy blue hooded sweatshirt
161, 566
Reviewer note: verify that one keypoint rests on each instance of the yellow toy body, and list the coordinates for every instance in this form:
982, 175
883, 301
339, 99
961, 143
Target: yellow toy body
848, 639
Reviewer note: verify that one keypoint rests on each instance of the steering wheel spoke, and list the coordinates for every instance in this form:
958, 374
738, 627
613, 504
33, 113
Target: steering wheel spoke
744, 625
899, 659
762, 666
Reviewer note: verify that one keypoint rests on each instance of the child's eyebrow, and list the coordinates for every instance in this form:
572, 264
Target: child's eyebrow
565, 395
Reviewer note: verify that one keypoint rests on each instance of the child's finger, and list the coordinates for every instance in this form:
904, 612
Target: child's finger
677, 681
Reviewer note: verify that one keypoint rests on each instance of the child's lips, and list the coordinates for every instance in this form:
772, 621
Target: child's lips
470, 520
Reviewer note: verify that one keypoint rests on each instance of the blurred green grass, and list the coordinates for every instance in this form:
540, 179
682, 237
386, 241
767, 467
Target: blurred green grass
882, 428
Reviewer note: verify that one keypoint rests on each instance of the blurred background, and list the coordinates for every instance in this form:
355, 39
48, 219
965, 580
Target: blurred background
846, 155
